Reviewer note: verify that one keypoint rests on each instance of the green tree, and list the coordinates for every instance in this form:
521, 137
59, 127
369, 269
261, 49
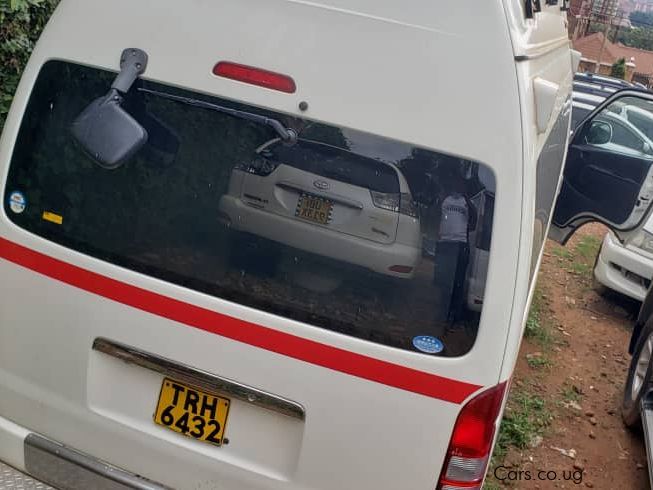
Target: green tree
637, 37
21, 23
619, 69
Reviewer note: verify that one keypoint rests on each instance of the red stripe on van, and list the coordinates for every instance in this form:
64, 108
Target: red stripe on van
327, 356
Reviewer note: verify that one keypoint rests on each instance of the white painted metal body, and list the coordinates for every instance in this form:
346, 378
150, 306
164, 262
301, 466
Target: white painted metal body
407, 71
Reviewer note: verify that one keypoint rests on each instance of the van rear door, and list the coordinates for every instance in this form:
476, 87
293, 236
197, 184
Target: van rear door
124, 316
608, 175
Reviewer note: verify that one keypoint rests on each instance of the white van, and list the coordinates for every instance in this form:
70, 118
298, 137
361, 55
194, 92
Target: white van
146, 341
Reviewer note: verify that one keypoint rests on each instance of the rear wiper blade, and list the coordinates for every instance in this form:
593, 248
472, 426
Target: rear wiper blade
287, 135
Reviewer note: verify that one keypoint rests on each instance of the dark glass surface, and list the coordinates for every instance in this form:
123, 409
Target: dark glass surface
163, 213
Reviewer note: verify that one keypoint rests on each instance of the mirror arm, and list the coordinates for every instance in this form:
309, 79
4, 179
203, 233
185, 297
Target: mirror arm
133, 63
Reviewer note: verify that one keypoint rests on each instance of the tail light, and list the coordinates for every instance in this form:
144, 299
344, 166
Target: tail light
398, 203
382, 200
471, 442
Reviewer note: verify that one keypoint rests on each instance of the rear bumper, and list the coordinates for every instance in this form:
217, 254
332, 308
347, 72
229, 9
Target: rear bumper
33, 462
374, 256
622, 269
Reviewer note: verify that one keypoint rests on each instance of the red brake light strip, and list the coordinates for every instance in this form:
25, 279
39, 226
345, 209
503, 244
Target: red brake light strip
255, 76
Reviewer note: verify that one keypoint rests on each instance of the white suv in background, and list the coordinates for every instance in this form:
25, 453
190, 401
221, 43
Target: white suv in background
626, 268
329, 202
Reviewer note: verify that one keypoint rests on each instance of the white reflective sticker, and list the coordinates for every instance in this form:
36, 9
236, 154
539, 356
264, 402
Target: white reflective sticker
17, 202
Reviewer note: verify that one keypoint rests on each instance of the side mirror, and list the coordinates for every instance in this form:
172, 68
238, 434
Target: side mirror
105, 131
599, 133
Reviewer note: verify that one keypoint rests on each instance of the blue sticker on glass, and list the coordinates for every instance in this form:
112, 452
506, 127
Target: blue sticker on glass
428, 344
17, 202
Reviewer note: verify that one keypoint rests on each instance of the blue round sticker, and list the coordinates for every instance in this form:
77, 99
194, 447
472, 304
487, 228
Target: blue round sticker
17, 202
428, 344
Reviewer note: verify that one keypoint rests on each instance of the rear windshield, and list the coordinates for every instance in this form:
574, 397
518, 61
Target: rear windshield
405, 270
335, 163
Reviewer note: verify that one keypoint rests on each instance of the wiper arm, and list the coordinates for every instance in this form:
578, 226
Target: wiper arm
287, 135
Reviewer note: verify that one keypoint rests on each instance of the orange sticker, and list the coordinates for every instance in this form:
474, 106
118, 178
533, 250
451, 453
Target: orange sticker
52, 218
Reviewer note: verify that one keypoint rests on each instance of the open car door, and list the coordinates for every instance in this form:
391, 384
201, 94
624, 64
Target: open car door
608, 175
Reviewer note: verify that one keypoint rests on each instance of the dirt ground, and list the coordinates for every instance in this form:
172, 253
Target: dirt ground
576, 380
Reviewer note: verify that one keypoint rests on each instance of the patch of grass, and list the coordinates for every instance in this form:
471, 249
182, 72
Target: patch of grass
536, 328
562, 253
588, 247
538, 362
582, 261
570, 393
491, 485
526, 417
581, 268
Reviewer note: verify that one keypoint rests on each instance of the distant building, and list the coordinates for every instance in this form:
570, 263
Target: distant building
627, 6
641, 5
576, 5
605, 9
585, 13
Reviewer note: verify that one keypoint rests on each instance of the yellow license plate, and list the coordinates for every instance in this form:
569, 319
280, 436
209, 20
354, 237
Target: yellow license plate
192, 412
315, 209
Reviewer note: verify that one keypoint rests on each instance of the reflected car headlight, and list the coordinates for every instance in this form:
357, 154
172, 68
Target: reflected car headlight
644, 241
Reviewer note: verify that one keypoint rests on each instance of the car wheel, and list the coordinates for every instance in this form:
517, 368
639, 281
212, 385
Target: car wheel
638, 381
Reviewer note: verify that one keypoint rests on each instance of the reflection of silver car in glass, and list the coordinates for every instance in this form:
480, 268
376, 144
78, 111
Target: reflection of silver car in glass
327, 201
613, 132
642, 119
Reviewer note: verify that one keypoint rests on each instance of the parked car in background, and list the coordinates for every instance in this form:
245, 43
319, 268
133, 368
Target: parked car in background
640, 117
595, 89
604, 80
587, 98
626, 267
637, 402
579, 111
361, 209
583, 103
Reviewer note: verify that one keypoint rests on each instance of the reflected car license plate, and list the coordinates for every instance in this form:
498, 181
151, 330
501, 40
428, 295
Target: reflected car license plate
315, 209
192, 412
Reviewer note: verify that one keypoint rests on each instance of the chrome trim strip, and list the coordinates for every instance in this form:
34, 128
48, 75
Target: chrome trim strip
69, 469
201, 379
